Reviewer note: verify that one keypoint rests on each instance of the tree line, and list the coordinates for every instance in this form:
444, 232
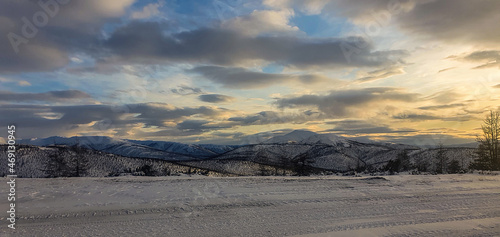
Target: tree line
489, 144
62, 164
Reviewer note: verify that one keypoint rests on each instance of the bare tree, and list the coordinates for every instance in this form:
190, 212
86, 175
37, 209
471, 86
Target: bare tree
56, 165
454, 167
79, 161
261, 160
284, 162
489, 144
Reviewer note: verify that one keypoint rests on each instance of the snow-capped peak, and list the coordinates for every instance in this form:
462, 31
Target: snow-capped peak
329, 139
308, 137
295, 136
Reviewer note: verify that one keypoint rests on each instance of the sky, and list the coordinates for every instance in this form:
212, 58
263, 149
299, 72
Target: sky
234, 72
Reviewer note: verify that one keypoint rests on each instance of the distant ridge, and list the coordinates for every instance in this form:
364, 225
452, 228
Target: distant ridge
133, 148
323, 152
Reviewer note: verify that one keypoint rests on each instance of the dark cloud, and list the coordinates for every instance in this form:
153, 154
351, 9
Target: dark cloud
180, 135
186, 90
145, 42
438, 107
241, 78
36, 38
488, 59
449, 20
185, 130
416, 117
51, 96
271, 117
43, 120
230, 135
370, 130
198, 125
76, 28
155, 114
355, 127
462, 118
454, 20
341, 103
215, 98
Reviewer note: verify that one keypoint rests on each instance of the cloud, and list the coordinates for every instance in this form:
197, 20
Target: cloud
262, 22
145, 42
454, 20
47, 120
447, 20
497, 86
348, 102
18, 82
425, 117
439, 107
489, 58
360, 11
355, 127
199, 126
28, 46
381, 74
51, 96
462, 118
179, 135
272, 117
215, 98
241, 78
186, 90
155, 114
445, 96
416, 117
148, 11
24, 83
446, 69
77, 28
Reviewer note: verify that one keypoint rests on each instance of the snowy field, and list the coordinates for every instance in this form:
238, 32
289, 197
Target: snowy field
442, 205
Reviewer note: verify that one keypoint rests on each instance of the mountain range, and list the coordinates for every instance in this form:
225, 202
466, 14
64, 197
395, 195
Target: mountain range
172, 151
327, 152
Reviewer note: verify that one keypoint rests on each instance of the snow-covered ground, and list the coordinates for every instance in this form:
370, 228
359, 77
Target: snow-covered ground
404, 205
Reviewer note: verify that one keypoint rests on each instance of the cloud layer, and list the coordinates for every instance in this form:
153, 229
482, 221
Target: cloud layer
207, 70
348, 102
216, 98
51, 96
145, 42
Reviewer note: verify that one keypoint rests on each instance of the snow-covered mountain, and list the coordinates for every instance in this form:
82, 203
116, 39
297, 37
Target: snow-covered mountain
297, 136
31, 162
335, 153
132, 148
308, 137
194, 150
327, 152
